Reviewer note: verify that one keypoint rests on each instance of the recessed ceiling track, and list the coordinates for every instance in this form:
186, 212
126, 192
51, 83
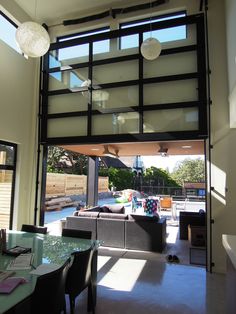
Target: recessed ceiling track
114, 12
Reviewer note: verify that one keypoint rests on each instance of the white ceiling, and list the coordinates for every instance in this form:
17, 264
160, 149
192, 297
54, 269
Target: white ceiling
50, 10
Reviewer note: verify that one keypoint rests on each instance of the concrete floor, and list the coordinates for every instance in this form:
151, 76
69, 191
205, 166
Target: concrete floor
139, 283
136, 282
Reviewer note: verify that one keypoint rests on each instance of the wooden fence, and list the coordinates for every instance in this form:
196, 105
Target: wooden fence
60, 184
6, 176
5, 200
57, 185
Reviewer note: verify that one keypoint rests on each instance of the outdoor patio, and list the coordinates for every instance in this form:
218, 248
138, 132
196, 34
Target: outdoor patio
54, 220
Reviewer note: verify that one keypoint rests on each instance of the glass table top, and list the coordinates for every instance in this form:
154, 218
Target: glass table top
47, 249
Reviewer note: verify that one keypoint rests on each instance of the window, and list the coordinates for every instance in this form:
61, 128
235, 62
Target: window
7, 183
53, 63
163, 35
73, 52
7, 32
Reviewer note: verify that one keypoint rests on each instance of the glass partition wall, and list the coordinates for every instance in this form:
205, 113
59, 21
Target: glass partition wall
100, 88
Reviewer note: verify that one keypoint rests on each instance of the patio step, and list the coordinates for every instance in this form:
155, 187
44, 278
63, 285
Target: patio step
59, 203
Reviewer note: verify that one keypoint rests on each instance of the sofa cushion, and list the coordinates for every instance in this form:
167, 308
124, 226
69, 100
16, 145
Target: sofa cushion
113, 216
113, 208
88, 214
150, 206
91, 209
143, 218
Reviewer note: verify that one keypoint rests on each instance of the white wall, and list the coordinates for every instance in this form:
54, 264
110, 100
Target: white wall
223, 138
18, 103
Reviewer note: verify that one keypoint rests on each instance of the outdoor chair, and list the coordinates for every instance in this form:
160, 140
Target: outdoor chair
34, 229
75, 233
79, 277
49, 293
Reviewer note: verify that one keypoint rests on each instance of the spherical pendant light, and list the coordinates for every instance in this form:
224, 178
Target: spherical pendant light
151, 48
32, 39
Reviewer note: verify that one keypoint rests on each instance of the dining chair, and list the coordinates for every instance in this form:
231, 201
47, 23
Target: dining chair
34, 229
49, 293
79, 277
75, 233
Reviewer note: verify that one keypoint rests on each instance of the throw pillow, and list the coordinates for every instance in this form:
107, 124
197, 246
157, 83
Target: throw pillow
114, 208
150, 207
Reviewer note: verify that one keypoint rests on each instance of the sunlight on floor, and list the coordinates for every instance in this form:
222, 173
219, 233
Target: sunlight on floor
126, 279
102, 260
172, 234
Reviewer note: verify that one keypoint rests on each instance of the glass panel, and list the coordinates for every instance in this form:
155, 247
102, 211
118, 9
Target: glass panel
114, 50
5, 197
68, 79
53, 61
189, 40
98, 46
178, 63
7, 155
129, 41
168, 34
70, 55
101, 46
115, 98
117, 123
170, 92
67, 103
7, 33
73, 126
163, 35
181, 119
115, 72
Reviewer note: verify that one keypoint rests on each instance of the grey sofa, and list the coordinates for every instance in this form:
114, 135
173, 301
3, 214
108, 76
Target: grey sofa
145, 233
116, 229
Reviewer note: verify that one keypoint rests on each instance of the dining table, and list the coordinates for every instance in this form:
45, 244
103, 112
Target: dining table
47, 250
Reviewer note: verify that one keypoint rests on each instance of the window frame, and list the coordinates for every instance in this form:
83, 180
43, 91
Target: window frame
152, 19
15, 25
13, 169
82, 34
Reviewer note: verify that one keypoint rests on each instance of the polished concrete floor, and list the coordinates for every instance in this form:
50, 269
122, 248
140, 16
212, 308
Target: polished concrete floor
138, 283
135, 282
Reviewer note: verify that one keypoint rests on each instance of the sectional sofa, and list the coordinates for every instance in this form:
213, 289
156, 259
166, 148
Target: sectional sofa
114, 228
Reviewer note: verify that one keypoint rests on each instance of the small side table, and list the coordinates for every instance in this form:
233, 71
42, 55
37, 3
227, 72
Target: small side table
197, 255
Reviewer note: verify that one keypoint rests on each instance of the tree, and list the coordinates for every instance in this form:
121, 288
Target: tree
158, 177
159, 180
61, 160
189, 170
54, 156
120, 178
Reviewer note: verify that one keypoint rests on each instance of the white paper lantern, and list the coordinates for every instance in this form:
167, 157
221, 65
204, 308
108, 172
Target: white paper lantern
151, 48
33, 39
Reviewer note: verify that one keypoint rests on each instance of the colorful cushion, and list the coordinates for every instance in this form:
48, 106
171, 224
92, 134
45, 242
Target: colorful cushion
150, 207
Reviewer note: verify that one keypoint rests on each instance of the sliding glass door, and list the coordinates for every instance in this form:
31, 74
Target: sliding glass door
7, 183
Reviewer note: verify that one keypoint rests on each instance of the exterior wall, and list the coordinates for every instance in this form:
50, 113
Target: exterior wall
18, 108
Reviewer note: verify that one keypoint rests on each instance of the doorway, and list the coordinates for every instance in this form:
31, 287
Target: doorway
185, 198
